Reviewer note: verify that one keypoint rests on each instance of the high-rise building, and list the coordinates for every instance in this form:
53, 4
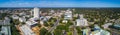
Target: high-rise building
36, 12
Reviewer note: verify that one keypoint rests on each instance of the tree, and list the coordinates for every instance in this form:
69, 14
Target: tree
2, 15
57, 32
46, 24
79, 31
16, 22
43, 31
39, 25
14, 30
48, 33
63, 27
69, 23
91, 19
51, 24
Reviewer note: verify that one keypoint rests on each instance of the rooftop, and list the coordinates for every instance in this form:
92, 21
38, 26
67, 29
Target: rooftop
26, 30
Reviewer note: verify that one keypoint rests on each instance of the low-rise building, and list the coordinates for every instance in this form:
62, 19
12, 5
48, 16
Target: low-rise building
31, 24
64, 21
86, 31
105, 26
26, 30
1, 22
96, 31
99, 31
7, 21
5, 30
22, 19
82, 21
15, 17
68, 14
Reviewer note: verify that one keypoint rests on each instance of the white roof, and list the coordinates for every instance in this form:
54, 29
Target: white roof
15, 17
4, 30
81, 22
106, 25
100, 32
26, 30
31, 22
22, 19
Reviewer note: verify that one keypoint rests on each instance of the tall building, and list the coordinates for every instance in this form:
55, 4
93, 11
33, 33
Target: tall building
36, 12
31, 12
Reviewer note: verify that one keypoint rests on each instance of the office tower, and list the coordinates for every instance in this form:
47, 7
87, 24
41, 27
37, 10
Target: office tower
36, 12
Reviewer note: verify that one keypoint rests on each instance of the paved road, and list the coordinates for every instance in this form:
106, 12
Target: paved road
114, 32
75, 31
55, 24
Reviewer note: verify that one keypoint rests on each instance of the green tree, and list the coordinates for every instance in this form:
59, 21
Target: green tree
43, 31
79, 31
48, 33
14, 30
63, 27
91, 19
46, 24
57, 32
51, 24
16, 22
39, 25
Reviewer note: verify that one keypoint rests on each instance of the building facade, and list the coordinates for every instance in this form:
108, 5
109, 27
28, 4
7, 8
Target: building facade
36, 12
82, 21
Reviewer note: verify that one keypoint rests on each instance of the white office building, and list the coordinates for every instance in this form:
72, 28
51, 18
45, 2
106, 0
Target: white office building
82, 21
68, 14
15, 17
30, 23
36, 12
22, 19
52, 11
7, 21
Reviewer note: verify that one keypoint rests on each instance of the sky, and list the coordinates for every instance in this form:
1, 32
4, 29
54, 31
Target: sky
59, 3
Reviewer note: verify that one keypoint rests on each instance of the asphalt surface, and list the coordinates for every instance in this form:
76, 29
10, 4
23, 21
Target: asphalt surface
114, 32
55, 24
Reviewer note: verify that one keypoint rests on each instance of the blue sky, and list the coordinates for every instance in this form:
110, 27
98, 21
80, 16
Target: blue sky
59, 3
